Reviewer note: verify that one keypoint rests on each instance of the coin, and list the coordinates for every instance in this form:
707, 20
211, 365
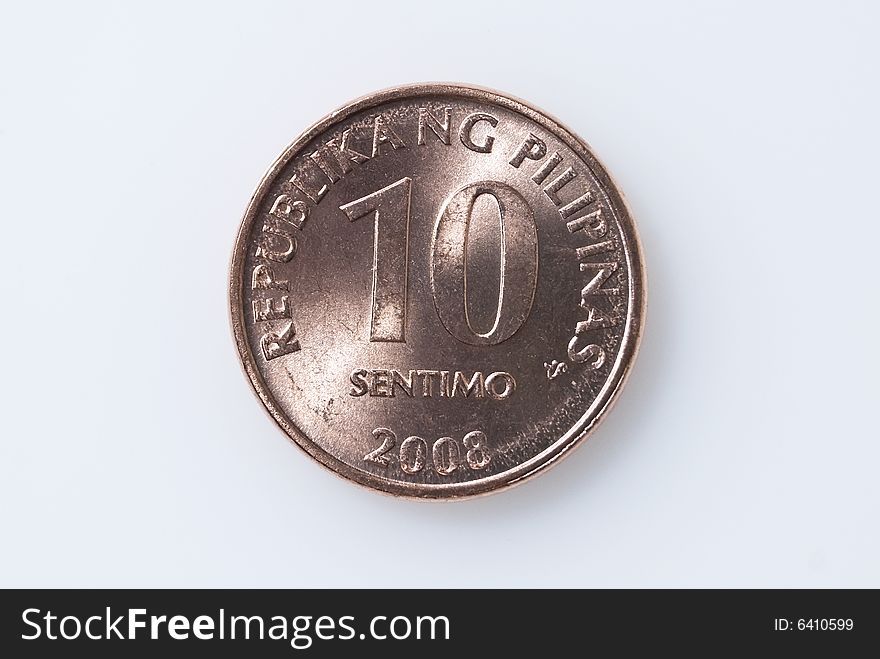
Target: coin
437, 291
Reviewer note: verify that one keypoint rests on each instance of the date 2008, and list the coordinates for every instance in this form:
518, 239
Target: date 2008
446, 454
813, 624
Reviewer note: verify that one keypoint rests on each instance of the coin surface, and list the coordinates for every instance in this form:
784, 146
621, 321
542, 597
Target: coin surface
437, 291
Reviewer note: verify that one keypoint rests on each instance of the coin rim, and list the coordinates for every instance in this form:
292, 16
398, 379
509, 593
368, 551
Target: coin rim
612, 386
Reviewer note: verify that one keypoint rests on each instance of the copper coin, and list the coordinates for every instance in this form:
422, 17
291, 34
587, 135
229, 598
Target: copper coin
437, 291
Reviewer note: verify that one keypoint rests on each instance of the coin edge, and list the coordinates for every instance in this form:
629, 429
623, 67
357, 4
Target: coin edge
591, 417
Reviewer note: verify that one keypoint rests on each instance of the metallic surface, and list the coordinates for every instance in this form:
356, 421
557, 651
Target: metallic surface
437, 291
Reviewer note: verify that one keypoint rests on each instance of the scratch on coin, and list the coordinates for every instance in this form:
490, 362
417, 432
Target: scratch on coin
292, 380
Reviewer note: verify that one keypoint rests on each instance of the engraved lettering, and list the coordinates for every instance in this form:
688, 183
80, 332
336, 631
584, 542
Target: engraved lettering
380, 384
494, 379
359, 382
591, 354
271, 309
309, 179
276, 344
595, 319
546, 168
429, 121
475, 386
264, 278
289, 210
552, 189
592, 224
596, 248
574, 206
465, 133
275, 245
327, 163
336, 158
384, 136
533, 148
604, 272
427, 382
404, 382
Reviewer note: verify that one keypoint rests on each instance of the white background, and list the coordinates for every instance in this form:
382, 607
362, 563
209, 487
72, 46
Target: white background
743, 452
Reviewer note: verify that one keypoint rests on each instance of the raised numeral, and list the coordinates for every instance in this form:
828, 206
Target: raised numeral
519, 263
445, 454
412, 454
478, 449
390, 209
518, 273
389, 441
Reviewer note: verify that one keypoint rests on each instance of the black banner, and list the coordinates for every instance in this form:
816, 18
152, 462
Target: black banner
113, 623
